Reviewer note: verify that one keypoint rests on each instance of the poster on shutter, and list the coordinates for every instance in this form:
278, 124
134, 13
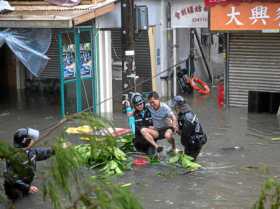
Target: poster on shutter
69, 60
86, 61
189, 14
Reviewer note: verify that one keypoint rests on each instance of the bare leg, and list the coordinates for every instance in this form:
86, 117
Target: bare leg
169, 136
149, 134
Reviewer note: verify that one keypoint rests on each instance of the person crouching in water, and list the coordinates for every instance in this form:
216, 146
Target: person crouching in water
192, 135
143, 121
21, 167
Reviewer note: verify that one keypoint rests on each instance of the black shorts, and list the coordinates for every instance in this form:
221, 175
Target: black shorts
161, 132
142, 145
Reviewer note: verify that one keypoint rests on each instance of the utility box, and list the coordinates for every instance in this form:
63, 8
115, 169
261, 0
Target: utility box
141, 18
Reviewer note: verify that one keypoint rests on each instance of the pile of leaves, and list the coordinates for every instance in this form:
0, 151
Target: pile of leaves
105, 153
182, 160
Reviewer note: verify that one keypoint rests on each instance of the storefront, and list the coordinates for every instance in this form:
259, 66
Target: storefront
253, 51
192, 41
73, 67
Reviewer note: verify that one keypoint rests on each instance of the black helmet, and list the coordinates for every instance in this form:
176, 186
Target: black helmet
137, 99
23, 137
178, 101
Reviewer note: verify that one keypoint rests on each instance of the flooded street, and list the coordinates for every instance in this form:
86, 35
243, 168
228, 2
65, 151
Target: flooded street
239, 155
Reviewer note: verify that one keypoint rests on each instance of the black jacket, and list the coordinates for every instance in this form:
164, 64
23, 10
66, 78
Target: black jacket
142, 119
191, 129
21, 167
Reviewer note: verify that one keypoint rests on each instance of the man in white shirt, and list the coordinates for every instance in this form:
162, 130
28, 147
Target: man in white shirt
164, 121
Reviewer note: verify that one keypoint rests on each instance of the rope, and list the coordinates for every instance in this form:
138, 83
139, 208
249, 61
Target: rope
56, 125
144, 81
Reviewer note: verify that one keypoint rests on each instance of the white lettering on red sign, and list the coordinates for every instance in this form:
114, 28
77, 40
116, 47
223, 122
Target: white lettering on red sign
259, 13
233, 17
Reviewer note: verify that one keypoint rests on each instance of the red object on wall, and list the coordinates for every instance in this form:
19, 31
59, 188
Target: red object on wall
220, 95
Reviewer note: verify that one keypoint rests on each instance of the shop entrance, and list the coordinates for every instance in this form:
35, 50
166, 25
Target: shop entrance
77, 55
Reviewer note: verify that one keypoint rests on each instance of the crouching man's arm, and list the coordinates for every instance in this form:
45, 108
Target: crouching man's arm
26, 188
43, 153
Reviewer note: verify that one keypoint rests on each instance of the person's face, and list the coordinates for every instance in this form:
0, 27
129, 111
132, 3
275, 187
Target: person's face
155, 103
177, 109
139, 107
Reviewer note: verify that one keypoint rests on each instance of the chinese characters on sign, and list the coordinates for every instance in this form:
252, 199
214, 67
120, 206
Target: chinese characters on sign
246, 16
210, 3
189, 14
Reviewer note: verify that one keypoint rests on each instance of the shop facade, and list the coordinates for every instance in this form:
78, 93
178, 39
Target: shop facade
73, 69
252, 72
193, 41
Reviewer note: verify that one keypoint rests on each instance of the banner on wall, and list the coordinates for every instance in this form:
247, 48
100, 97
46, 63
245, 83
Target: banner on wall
246, 16
189, 14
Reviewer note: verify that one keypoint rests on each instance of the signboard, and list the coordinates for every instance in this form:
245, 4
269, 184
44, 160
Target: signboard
246, 16
210, 3
189, 14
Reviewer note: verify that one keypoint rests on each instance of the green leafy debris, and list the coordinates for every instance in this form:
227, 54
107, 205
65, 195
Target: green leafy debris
269, 196
185, 161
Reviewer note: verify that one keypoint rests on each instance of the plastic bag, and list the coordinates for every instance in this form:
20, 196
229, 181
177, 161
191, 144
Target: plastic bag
65, 3
29, 45
5, 6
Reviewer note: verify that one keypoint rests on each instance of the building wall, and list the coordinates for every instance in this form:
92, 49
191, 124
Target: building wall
9, 70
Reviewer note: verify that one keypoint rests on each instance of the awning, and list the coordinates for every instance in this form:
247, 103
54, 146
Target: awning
43, 15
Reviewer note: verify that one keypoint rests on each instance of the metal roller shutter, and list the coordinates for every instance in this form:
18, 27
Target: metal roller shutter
52, 69
253, 65
142, 57
143, 61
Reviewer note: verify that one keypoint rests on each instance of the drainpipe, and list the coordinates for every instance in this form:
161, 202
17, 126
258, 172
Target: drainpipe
163, 45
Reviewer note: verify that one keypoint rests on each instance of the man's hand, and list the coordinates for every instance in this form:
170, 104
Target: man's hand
175, 123
33, 189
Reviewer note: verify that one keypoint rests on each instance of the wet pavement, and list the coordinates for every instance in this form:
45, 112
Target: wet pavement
239, 155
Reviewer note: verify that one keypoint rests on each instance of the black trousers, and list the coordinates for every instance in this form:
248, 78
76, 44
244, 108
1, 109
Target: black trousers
142, 145
193, 144
12, 192
192, 150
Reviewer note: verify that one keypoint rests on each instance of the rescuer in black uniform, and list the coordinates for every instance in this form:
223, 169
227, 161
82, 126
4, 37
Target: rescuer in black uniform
21, 166
192, 135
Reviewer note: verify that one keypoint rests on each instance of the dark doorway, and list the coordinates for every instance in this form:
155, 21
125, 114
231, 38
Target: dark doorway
263, 102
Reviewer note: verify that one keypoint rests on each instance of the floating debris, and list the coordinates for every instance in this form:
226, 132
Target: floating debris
275, 139
232, 148
4, 114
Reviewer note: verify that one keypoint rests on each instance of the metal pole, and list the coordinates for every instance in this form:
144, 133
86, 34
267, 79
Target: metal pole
163, 45
128, 44
174, 62
203, 55
78, 72
61, 65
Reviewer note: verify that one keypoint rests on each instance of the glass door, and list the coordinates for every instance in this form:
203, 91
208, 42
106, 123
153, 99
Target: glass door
77, 70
